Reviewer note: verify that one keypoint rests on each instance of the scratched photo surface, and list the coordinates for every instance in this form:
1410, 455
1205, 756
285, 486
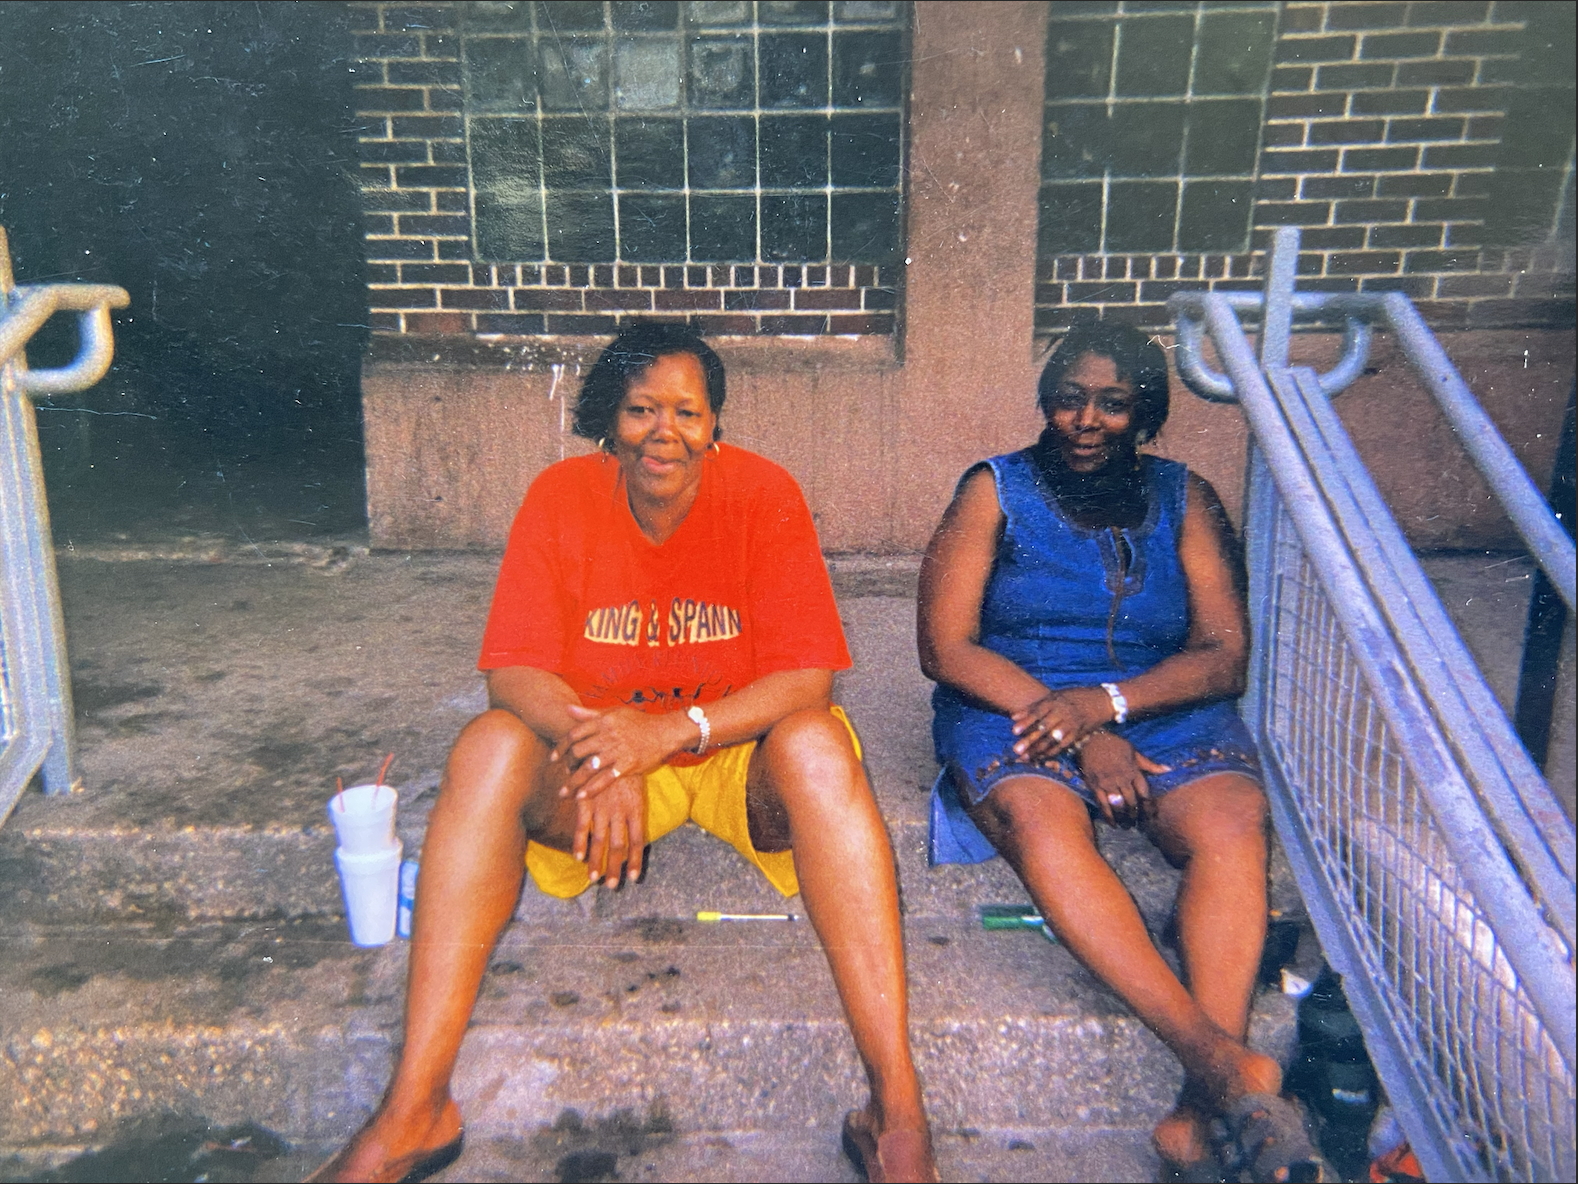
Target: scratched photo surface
371, 249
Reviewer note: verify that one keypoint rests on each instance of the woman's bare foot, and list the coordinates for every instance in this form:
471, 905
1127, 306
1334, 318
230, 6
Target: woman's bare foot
391, 1144
1235, 1072
1183, 1137
889, 1152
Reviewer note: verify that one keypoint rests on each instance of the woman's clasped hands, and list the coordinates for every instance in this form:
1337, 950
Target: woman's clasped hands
1074, 721
1060, 721
607, 755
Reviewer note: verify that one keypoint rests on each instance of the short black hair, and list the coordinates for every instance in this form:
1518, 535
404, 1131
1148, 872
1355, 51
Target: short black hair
626, 356
1138, 358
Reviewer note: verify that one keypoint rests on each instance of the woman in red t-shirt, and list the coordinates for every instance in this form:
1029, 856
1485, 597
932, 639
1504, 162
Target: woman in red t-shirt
661, 647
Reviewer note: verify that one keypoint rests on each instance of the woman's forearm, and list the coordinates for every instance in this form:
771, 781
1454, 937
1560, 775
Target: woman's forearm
750, 712
984, 676
540, 699
1194, 675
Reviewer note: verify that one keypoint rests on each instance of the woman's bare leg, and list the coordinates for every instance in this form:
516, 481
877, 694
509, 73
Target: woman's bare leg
1045, 832
1215, 829
473, 859
809, 793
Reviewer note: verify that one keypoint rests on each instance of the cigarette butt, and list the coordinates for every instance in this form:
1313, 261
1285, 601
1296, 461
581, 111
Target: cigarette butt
711, 918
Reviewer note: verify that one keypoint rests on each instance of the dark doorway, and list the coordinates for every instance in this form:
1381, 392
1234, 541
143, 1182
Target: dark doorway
202, 156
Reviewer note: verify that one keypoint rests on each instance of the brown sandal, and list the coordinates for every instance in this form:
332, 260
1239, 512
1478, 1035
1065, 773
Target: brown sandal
896, 1155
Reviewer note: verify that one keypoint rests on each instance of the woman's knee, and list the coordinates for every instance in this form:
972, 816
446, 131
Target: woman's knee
810, 753
1032, 809
495, 734
1220, 813
495, 756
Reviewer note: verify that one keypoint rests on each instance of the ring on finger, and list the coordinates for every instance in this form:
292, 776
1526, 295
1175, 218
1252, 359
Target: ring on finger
1057, 735
597, 762
615, 772
1115, 799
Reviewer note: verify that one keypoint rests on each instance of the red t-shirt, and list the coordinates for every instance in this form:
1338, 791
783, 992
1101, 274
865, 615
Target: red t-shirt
738, 591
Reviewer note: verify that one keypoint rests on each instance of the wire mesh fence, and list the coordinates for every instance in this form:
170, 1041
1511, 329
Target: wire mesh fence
1487, 1064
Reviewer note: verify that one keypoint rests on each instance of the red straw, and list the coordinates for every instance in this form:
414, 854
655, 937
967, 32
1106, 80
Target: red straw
339, 787
388, 760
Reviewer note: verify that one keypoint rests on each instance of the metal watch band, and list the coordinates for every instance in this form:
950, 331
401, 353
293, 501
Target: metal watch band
1120, 705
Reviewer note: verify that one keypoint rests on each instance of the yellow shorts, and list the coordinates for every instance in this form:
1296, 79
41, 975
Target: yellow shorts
710, 794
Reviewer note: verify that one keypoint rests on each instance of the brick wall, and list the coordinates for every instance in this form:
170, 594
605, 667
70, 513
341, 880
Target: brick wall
1384, 134
1386, 128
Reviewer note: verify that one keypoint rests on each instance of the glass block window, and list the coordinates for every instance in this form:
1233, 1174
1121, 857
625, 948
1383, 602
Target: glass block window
1153, 124
718, 132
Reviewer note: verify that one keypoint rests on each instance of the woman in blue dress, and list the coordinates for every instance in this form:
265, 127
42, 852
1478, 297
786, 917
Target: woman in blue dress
1082, 614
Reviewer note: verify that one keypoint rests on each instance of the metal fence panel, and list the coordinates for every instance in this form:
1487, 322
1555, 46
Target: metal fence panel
24, 723
1437, 870
1491, 1071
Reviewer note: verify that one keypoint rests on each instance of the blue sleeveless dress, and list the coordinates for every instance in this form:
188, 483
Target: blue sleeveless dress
1054, 589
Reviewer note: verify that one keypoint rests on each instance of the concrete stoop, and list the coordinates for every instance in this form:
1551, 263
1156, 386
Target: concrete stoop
174, 944
705, 1051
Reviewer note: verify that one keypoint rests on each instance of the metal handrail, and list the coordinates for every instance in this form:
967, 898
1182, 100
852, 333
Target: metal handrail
1506, 844
1495, 460
1479, 851
1519, 496
35, 690
1218, 388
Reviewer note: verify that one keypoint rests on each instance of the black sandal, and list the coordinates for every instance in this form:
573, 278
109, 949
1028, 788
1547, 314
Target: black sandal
427, 1165
435, 1161
872, 1160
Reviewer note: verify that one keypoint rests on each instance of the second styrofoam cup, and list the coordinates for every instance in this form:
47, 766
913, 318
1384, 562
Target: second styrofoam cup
364, 818
371, 886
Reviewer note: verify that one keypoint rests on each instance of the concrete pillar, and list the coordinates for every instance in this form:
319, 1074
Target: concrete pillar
975, 146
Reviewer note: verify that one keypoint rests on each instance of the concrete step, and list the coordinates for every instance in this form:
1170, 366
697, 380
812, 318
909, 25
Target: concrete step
614, 1002
622, 1147
217, 704
732, 1028
974, 1154
176, 946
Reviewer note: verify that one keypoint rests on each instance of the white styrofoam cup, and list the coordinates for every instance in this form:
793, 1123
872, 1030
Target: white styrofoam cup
371, 886
364, 818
